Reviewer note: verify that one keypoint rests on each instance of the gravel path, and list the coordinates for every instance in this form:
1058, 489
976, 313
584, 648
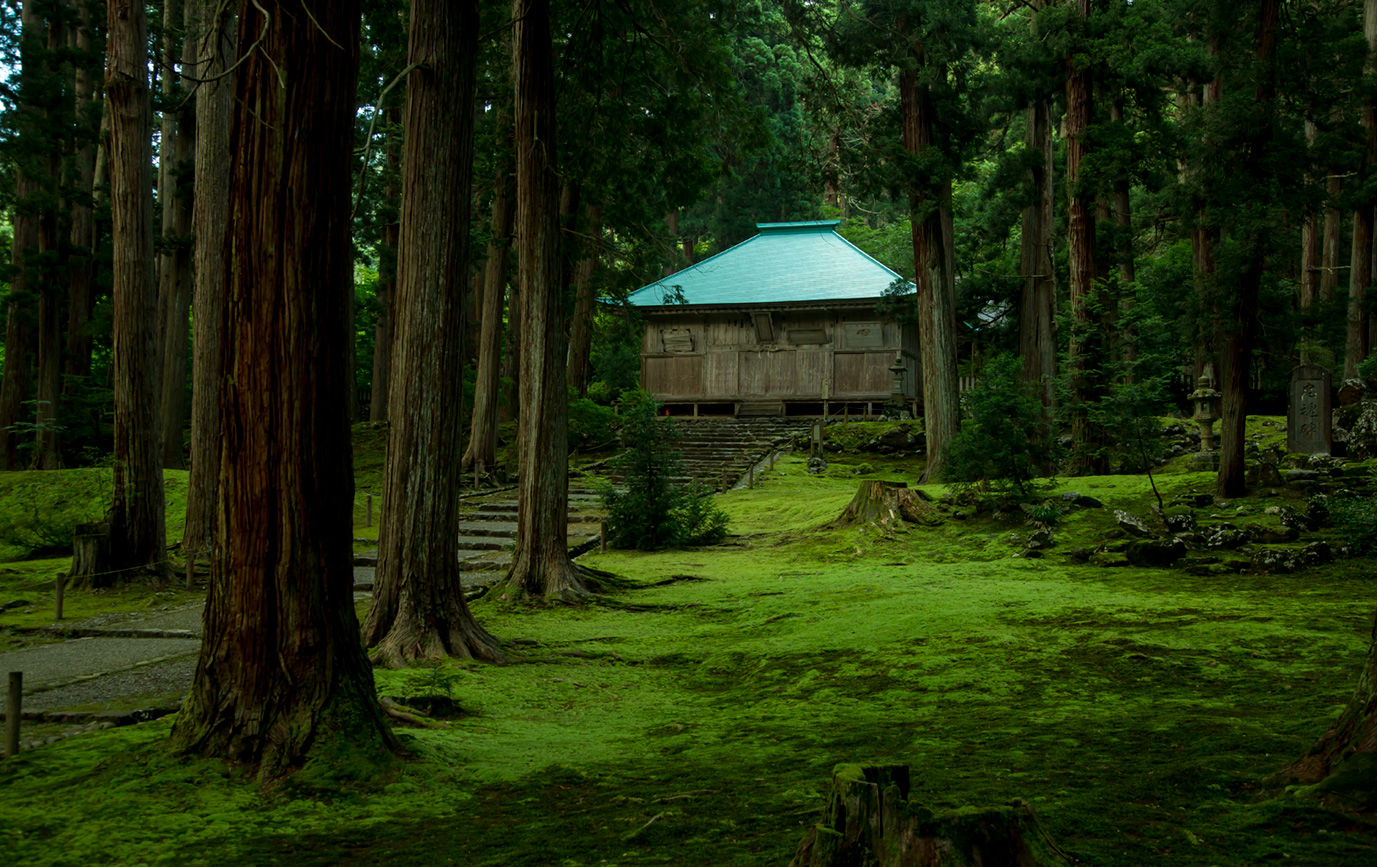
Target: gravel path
52, 664
162, 684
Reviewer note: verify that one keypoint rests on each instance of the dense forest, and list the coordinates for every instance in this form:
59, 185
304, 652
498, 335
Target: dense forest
232, 233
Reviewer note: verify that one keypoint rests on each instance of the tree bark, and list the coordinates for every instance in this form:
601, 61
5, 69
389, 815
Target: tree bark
25, 282
175, 291
81, 289
137, 521
482, 450
418, 609
1037, 314
1341, 760
932, 259
886, 504
541, 566
1357, 344
1242, 322
1086, 440
585, 292
215, 47
387, 276
1329, 273
281, 670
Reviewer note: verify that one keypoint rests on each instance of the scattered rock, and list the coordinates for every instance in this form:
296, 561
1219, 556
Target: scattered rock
1079, 556
1293, 476
1040, 539
1131, 524
1227, 537
817, 466
1178, 522
1155, 552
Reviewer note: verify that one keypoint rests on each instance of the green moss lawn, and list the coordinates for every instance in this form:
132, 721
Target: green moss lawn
696, 719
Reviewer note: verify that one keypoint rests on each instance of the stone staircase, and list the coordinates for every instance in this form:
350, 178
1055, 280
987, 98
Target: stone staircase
487, 534
718, 451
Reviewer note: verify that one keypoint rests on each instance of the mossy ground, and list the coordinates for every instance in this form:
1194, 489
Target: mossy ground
696, 720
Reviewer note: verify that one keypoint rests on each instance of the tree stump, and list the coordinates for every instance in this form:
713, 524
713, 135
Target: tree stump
91, 565
869, 820
887, 503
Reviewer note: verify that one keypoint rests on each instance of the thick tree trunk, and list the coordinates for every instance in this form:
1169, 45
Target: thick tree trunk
175, 291
1242, 322
1341, 761
25, 283
47, 454
585, 293
81, 289
1333, 219
281, 669
511, 354
482, 450
214, 100
387, 275
418, 609
1037, 310
1086, 440
136, 517
933, 276
1357, 344
540, 564
1310, 243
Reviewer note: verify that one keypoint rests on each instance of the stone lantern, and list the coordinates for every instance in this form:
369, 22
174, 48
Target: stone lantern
897, 368
1206, 401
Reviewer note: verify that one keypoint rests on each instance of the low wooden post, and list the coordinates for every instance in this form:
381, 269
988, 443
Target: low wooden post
724, 478
12, 712
368, 522
61, 586
772, 459
190, 570
750, 476
602, 536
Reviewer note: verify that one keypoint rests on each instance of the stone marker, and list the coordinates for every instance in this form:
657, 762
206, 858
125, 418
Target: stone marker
1308, 419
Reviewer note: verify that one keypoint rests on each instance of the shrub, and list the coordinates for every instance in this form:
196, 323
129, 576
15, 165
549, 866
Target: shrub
654, 512
1355, 516
1006, 441
39, 509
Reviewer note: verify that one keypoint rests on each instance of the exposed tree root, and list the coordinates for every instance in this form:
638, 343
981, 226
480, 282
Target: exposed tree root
410, 640
887, 504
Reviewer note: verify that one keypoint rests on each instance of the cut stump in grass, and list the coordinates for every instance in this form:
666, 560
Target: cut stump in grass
887, 504
869, 820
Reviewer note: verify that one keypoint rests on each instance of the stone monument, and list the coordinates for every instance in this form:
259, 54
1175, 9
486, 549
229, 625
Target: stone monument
1309, 425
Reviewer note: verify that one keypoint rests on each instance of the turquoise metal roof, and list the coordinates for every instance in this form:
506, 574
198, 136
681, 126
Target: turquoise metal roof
786, 262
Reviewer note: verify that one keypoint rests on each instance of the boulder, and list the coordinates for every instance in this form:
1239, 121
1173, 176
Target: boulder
1039, 540
1131, 524
1155, 552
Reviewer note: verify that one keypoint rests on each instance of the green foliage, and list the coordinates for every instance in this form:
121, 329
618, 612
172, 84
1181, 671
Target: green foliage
1355, 516
1045, 514
38, 509
592, 426
655, 511
1006, 442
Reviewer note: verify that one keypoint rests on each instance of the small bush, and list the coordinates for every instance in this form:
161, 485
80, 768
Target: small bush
1045, 515
1355, 516
654, 512
39, 509
1006, 442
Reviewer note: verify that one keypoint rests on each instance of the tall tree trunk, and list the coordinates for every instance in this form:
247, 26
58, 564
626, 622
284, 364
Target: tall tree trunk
1329, 256
175, 292
25, 282
215, 51
81, 289
1311, 248
1086, 440
1124, 250
387, 274
418, 609
585, 294
1242, 321
137, 530
482, 450
511, 353
933, 275
1357, 344
1037, 310
281, 670
47, 454
540, 564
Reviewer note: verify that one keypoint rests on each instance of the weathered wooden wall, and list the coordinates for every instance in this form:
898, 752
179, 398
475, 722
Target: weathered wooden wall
779, 354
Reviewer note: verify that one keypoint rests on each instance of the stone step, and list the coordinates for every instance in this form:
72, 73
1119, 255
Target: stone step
484, 543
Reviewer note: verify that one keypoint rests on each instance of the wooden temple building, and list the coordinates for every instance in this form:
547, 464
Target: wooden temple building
782, 324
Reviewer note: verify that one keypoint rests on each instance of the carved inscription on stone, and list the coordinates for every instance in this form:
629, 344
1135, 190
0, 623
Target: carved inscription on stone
1308, 424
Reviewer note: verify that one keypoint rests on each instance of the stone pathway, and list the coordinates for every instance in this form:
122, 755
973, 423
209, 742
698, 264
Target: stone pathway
75, 682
